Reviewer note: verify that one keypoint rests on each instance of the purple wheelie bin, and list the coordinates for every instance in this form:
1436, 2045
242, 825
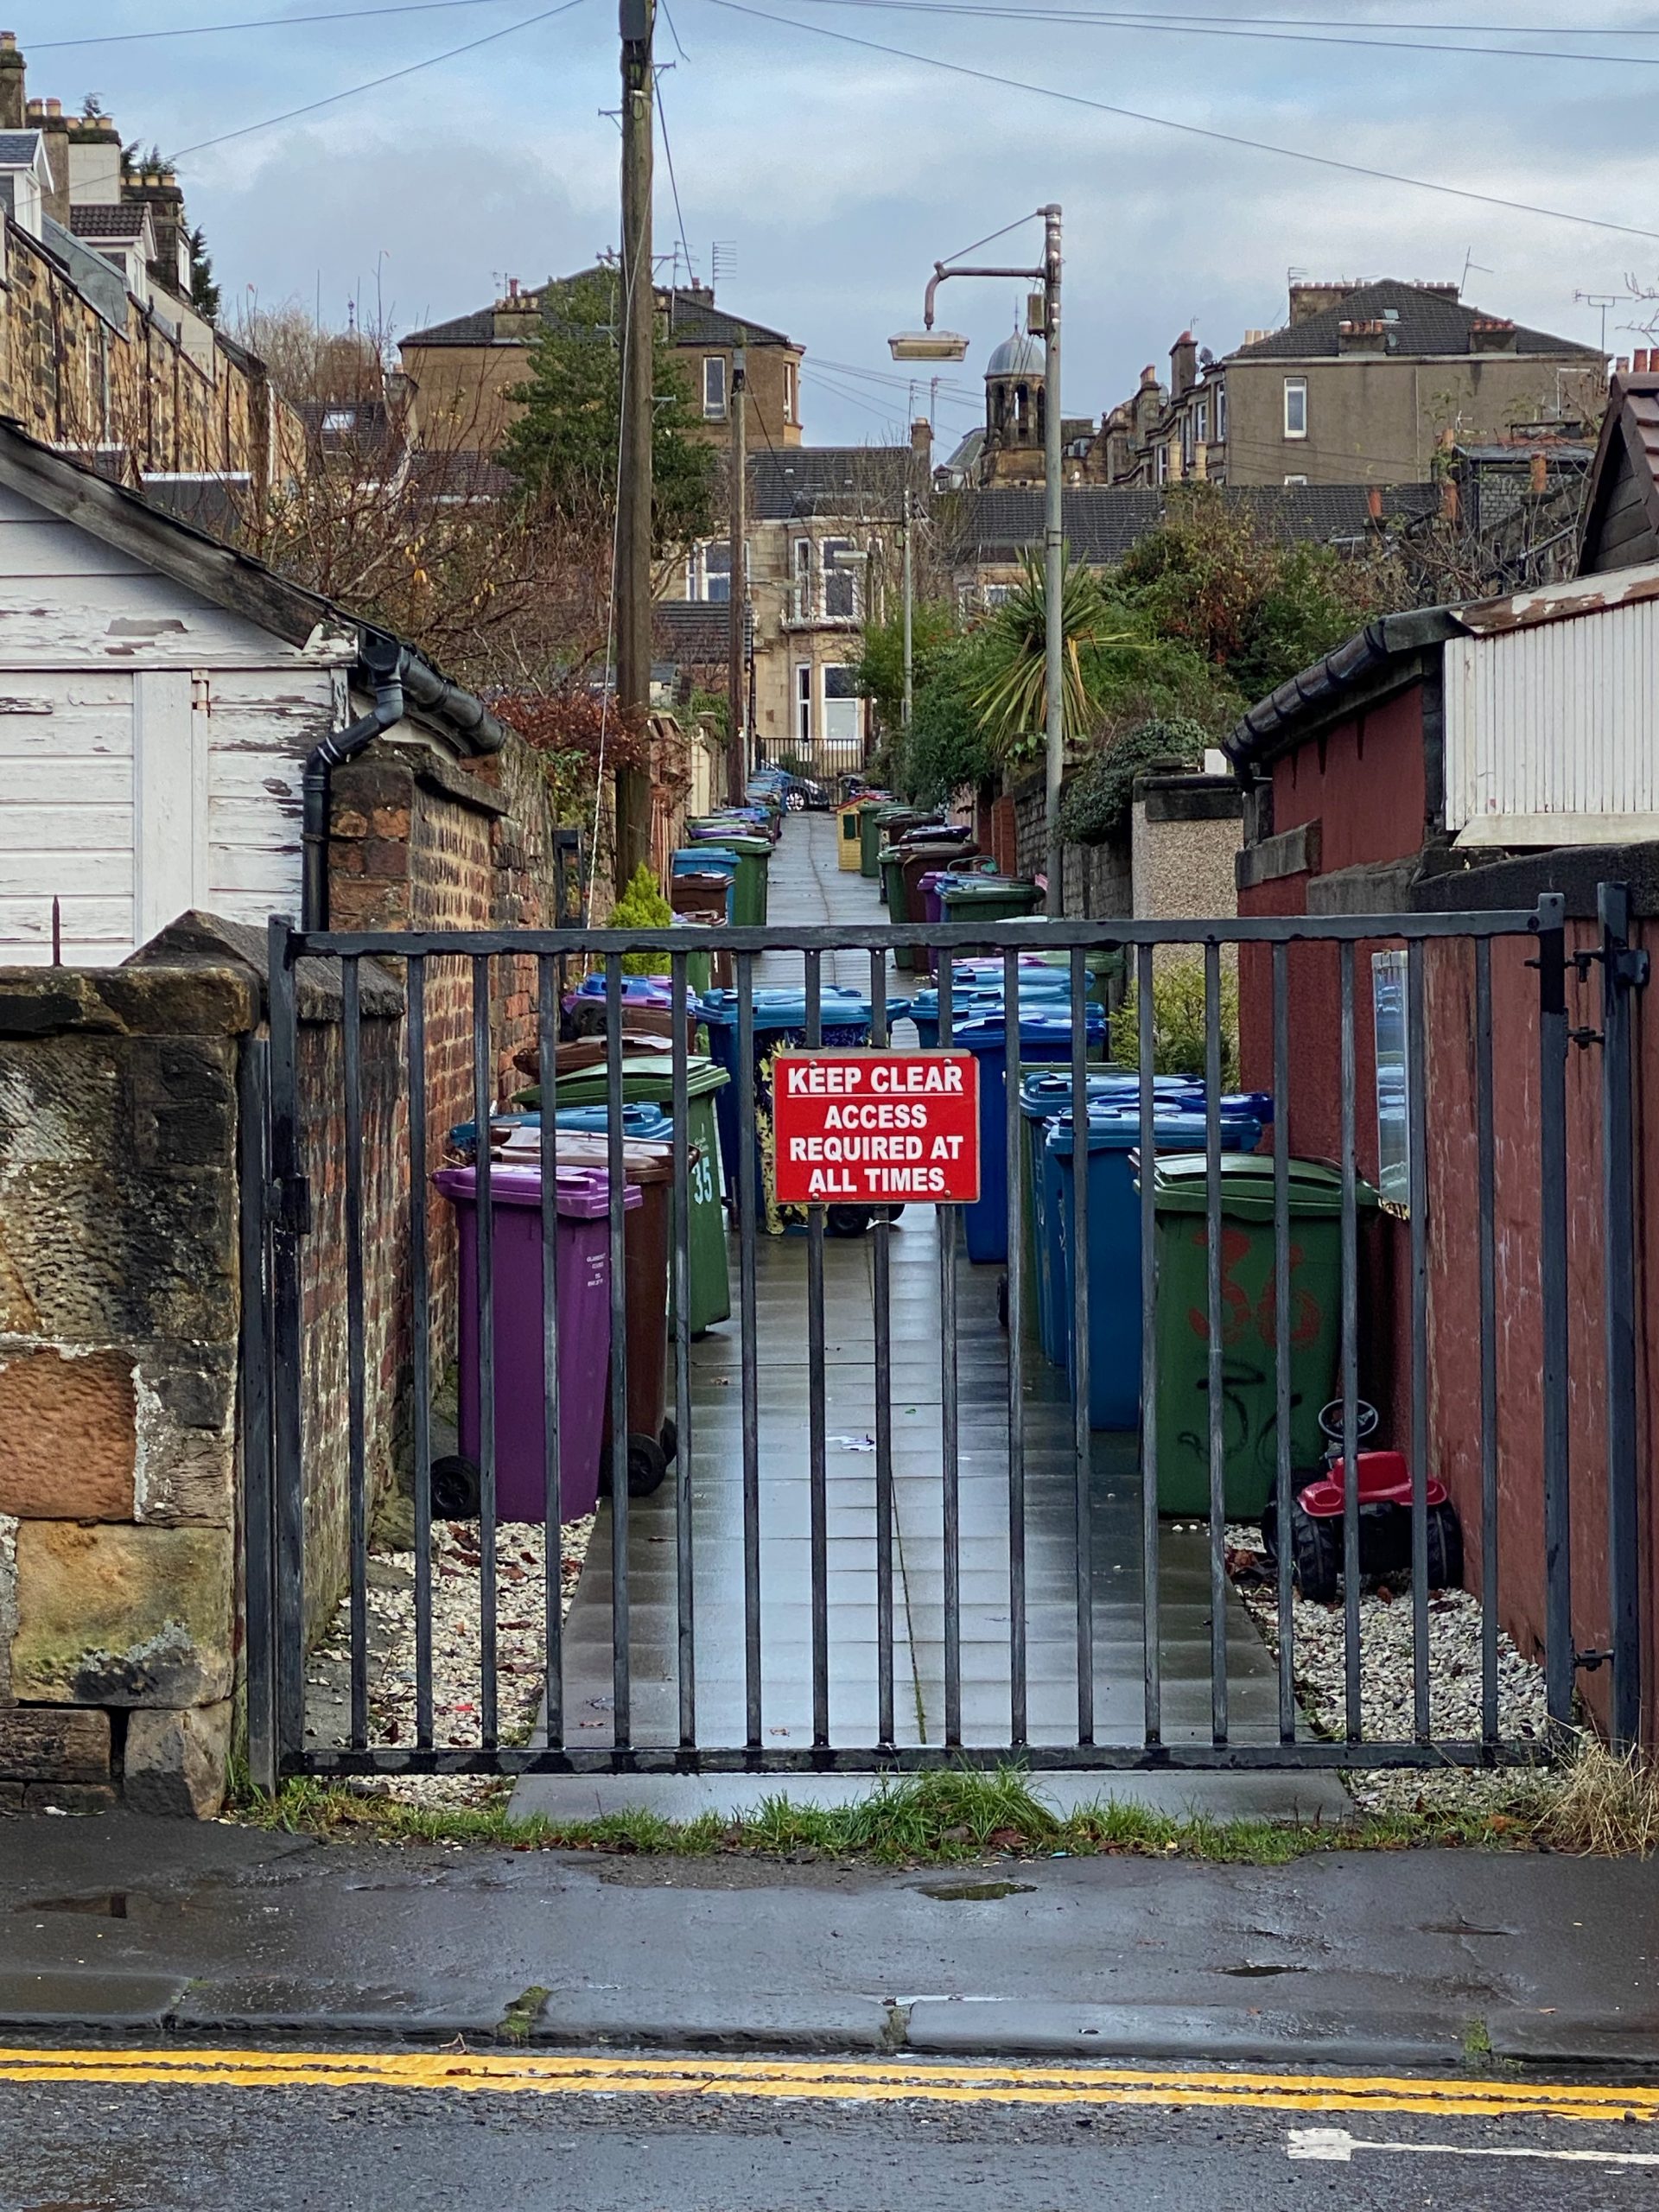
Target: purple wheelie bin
584, 1282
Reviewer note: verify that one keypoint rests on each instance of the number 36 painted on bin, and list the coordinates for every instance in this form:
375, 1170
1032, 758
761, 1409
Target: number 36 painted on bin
866, 1128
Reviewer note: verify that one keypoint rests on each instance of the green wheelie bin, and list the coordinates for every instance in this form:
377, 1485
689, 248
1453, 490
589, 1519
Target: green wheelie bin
649, 1077
870, 840
1249, 1324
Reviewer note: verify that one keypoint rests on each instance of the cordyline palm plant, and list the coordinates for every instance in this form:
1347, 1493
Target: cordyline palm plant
1013, 704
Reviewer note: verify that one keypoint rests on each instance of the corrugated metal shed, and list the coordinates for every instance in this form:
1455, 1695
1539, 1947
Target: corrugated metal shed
1551, 708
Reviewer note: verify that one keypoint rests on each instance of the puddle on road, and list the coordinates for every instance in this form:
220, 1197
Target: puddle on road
1260, 1974
105, 1905
976, 1892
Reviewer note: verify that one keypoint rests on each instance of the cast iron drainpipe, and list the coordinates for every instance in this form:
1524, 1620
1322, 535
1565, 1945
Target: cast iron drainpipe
384, 661
393, 670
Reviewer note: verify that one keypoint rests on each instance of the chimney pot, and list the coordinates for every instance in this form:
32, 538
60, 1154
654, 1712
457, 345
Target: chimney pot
54, 107
1539, 472
1373, 504
1621, 366
1639, 360
7, 41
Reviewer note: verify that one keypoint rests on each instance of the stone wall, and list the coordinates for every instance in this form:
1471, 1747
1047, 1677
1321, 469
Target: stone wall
1184, 835
119, 1321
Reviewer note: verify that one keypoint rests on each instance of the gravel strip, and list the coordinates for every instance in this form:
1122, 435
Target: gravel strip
1319, 1643
457, 1567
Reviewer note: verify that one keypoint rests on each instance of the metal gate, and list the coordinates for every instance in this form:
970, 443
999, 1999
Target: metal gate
978, 1575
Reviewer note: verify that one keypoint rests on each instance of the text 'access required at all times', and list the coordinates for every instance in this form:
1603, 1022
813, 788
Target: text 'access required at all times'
864, 1128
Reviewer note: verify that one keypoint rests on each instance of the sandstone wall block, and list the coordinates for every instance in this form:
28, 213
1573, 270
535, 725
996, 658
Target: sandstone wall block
67, 1435
176, 1763
109, 1616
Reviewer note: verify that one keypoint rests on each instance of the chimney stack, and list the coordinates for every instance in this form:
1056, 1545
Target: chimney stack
921, 440
1373, 503
1183, 366
1538, 473
13, 104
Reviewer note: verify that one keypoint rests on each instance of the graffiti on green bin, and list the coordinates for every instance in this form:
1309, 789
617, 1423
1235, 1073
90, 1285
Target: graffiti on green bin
1247, 1315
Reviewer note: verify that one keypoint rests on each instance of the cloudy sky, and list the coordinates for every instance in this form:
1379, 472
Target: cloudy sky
833, 175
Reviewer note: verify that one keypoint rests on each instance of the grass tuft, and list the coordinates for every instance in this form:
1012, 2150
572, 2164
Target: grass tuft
1606, 1806
953, 1815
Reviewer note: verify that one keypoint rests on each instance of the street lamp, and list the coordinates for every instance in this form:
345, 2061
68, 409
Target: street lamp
930, 344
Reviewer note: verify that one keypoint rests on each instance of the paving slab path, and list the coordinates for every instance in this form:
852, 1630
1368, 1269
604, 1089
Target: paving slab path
807, 889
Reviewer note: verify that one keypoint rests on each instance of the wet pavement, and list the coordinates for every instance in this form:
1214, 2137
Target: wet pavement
808, 888
1353, 1959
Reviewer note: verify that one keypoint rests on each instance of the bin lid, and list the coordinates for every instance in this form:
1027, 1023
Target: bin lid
580, 1193
1048, 1091
641, 1163
1181, 1128
986, 1033
740, 848
1179, 1187
786, 1009
642, 1118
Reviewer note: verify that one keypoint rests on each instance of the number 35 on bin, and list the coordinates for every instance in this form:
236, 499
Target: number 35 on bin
861, 1128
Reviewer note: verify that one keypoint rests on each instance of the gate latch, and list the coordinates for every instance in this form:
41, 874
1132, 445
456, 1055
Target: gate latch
288, 1204
1590, 1660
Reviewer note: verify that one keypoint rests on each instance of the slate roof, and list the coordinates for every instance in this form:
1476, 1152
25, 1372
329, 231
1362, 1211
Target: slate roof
693, 320
830, 480
475, 329
113, 220
695, 631
1103, 522
1426, 323
18, 147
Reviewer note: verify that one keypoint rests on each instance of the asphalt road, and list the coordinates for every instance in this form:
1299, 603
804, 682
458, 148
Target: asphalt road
93, 2144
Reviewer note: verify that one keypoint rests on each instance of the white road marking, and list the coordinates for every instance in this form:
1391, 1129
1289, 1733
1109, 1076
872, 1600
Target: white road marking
1337, 2146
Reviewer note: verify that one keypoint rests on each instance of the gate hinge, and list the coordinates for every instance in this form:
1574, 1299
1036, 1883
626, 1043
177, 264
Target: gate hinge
1626, 964
288, 1204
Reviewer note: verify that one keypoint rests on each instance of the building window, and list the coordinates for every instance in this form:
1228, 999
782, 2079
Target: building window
801, 597
708, 572
803, 705
1221, 415
1295, 407
1187, 441
1163, 464
714, 387
789, 392
1201, 421
1295, 480
843, 714
840, 580
997, 594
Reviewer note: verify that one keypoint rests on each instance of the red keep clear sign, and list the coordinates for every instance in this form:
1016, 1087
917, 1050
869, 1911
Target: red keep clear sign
873, 1127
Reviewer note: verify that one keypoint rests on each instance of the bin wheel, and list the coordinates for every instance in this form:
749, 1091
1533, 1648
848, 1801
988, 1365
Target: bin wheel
647, 1466
1445, 1548
846, 1221
453, 1485
669, 1437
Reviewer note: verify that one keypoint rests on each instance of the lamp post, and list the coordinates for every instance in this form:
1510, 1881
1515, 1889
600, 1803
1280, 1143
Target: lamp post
930, 344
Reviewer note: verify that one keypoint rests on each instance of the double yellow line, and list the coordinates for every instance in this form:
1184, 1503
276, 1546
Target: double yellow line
847, 2081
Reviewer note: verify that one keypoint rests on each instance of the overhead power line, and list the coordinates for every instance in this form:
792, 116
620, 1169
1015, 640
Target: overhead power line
373, 84
1151, 16
1112, 19
1187, 129
255, 23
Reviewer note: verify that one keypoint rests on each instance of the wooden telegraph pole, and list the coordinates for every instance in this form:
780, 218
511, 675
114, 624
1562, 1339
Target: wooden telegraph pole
737, 749
633, 582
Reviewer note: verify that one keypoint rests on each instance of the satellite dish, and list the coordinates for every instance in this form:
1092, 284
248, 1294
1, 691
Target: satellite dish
1206, 357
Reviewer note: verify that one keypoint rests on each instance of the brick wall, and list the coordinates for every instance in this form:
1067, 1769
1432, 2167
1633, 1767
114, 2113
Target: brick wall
119, 1319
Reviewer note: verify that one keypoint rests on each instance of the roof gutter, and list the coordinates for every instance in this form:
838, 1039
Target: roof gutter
398, 678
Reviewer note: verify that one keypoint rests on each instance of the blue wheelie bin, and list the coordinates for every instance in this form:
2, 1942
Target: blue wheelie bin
1114, 1262
1042, 1036
1045, 1092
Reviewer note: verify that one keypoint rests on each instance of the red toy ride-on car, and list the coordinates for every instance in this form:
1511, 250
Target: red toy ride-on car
1385, 1508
